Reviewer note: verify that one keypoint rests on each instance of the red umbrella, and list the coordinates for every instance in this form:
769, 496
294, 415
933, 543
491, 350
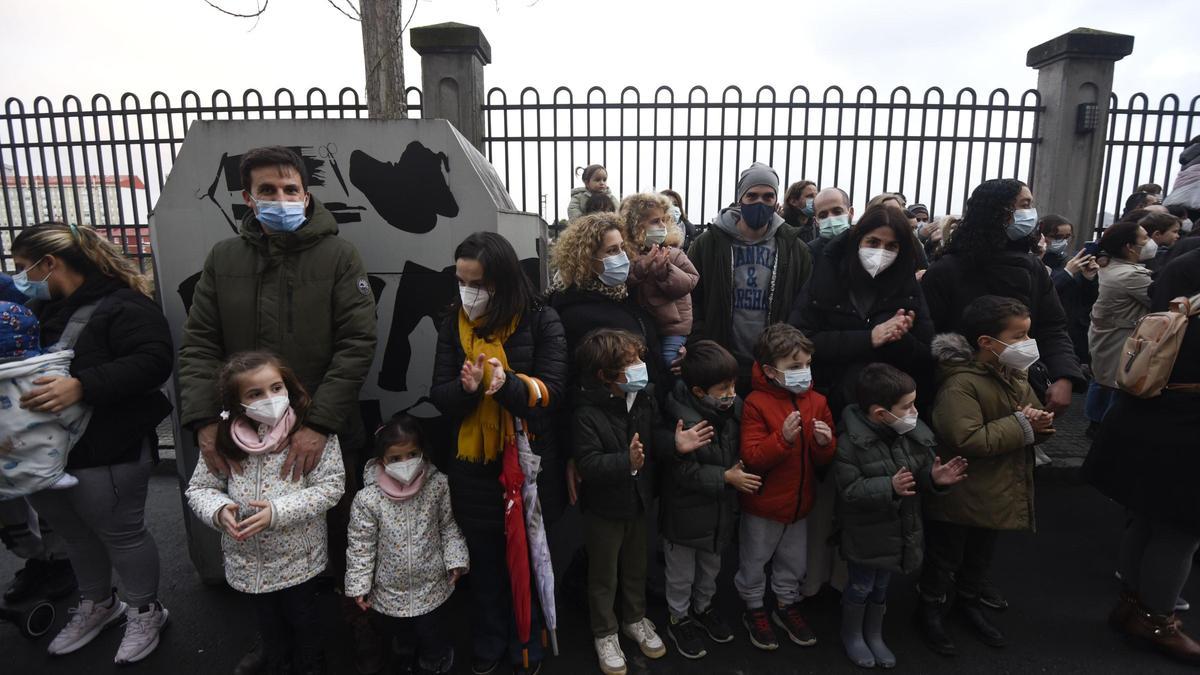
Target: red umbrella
516, 545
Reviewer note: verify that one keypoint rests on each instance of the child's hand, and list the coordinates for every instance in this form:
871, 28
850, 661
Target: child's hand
255, 523
362, 603
637, 454
904, 483
792, 426
660, 260
472, 374
822, 433
691, 440
498, 376
227, 518
455, 574
742, 481
1042, 421
949, 473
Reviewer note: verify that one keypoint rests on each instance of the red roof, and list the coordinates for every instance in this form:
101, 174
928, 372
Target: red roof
76, 181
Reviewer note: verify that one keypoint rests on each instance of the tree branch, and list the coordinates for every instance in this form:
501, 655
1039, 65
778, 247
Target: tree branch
235, 14
344, 13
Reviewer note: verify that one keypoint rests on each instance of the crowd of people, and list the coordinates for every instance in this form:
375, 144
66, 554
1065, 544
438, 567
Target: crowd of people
838, 397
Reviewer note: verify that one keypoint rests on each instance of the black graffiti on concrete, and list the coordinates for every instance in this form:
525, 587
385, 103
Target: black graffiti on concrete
422, 293
409, 194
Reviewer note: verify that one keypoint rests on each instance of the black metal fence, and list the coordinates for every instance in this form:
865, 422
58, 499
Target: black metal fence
104, 164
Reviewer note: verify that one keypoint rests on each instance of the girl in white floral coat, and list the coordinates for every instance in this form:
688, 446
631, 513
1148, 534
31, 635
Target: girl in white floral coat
273, 528
405, 551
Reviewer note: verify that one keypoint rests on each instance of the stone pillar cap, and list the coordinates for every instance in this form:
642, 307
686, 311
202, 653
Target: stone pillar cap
1085, 43
451, 38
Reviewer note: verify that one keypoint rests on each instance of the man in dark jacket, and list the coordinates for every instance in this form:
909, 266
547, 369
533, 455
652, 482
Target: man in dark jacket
750, 270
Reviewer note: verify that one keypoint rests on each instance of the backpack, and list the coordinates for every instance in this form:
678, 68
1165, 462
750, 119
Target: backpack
1150, 352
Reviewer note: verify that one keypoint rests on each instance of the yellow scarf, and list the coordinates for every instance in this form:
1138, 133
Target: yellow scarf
481, 436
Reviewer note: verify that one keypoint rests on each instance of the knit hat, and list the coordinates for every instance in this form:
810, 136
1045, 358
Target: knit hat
914, 209
757, 174
20, 333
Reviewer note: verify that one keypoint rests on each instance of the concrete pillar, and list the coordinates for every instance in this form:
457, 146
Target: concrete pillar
452, 59
1075, 73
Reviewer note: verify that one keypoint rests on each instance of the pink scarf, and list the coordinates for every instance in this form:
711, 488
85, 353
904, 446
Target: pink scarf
394, 489
246, 436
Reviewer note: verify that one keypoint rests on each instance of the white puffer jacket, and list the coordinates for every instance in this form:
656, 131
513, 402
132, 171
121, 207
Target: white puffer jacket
400, 553
292, 549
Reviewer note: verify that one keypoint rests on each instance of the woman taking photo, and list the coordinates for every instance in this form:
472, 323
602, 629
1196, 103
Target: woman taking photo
123, 354
498, 345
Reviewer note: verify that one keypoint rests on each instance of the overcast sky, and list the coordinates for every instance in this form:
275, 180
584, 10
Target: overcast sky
56, 47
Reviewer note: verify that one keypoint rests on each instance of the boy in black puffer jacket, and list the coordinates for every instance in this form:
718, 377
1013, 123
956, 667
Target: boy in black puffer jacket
617, 430
699, 508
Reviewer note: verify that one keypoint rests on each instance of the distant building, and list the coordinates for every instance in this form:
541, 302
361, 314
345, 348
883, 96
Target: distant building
99, 201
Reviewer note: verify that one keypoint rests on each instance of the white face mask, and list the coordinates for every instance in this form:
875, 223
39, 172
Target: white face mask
1187, 225
1148, 251
268, 411
474, 301
796, 380
656, 235
876, 260
406, 470
1020, 356
902, 425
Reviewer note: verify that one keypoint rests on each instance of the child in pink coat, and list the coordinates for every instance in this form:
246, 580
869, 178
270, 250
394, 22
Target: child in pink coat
661, 272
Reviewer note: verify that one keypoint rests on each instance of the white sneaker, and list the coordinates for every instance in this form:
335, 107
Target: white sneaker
87, 620
612, 659
141, 632
643, 634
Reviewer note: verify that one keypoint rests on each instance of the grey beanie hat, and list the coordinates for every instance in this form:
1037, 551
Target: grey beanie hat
757, 174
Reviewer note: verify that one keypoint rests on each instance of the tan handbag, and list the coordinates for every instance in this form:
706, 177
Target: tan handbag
1150, 352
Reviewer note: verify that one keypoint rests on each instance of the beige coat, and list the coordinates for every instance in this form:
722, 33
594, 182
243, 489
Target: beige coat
292, 549
1124, 298
400, 553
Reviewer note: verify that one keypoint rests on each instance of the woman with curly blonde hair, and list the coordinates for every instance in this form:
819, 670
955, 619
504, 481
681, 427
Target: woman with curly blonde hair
661, 272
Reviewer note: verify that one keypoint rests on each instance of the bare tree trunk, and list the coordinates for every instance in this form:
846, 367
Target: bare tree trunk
383, 52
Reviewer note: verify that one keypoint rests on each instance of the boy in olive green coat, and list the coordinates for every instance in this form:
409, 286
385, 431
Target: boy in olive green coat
885, 462
986, 411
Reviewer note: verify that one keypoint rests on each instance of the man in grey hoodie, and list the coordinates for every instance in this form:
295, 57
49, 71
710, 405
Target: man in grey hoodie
750, 268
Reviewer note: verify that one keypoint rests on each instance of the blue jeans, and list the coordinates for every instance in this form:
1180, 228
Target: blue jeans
670, 347
1099, 401
866, 583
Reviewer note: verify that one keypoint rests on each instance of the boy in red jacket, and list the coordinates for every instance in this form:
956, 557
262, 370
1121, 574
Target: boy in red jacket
787, 431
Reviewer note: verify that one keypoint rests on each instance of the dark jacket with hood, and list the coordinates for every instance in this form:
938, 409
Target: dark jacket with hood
1077, 294
122, 357
303, 295
699, 509
830, 312
879, 528
602, 430
955, 280
712, 254
538, 349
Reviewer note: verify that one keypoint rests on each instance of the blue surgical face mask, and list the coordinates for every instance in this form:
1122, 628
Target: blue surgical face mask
808, 207
1058, 246
616, 270
34, 290
280, 216
758, 215
1024, 220
796, 380
636, 378
833, 225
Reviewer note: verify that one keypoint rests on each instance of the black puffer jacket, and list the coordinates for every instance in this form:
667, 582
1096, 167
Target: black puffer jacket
699, 509
953, 281
1077, 294
841, 331
602, 430
536, 348
122, 357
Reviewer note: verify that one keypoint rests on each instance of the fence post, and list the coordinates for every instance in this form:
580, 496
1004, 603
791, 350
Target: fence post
1075, 74
452, 59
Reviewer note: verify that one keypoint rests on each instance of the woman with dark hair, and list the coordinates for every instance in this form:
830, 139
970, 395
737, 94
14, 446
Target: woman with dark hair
1074, 279
798, 209
863, 305
1124, 298
1145, 459
989, 255
123, 354
501, 354
680, 216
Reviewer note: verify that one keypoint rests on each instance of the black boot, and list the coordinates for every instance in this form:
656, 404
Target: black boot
972, 613
50, 579
931, 624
